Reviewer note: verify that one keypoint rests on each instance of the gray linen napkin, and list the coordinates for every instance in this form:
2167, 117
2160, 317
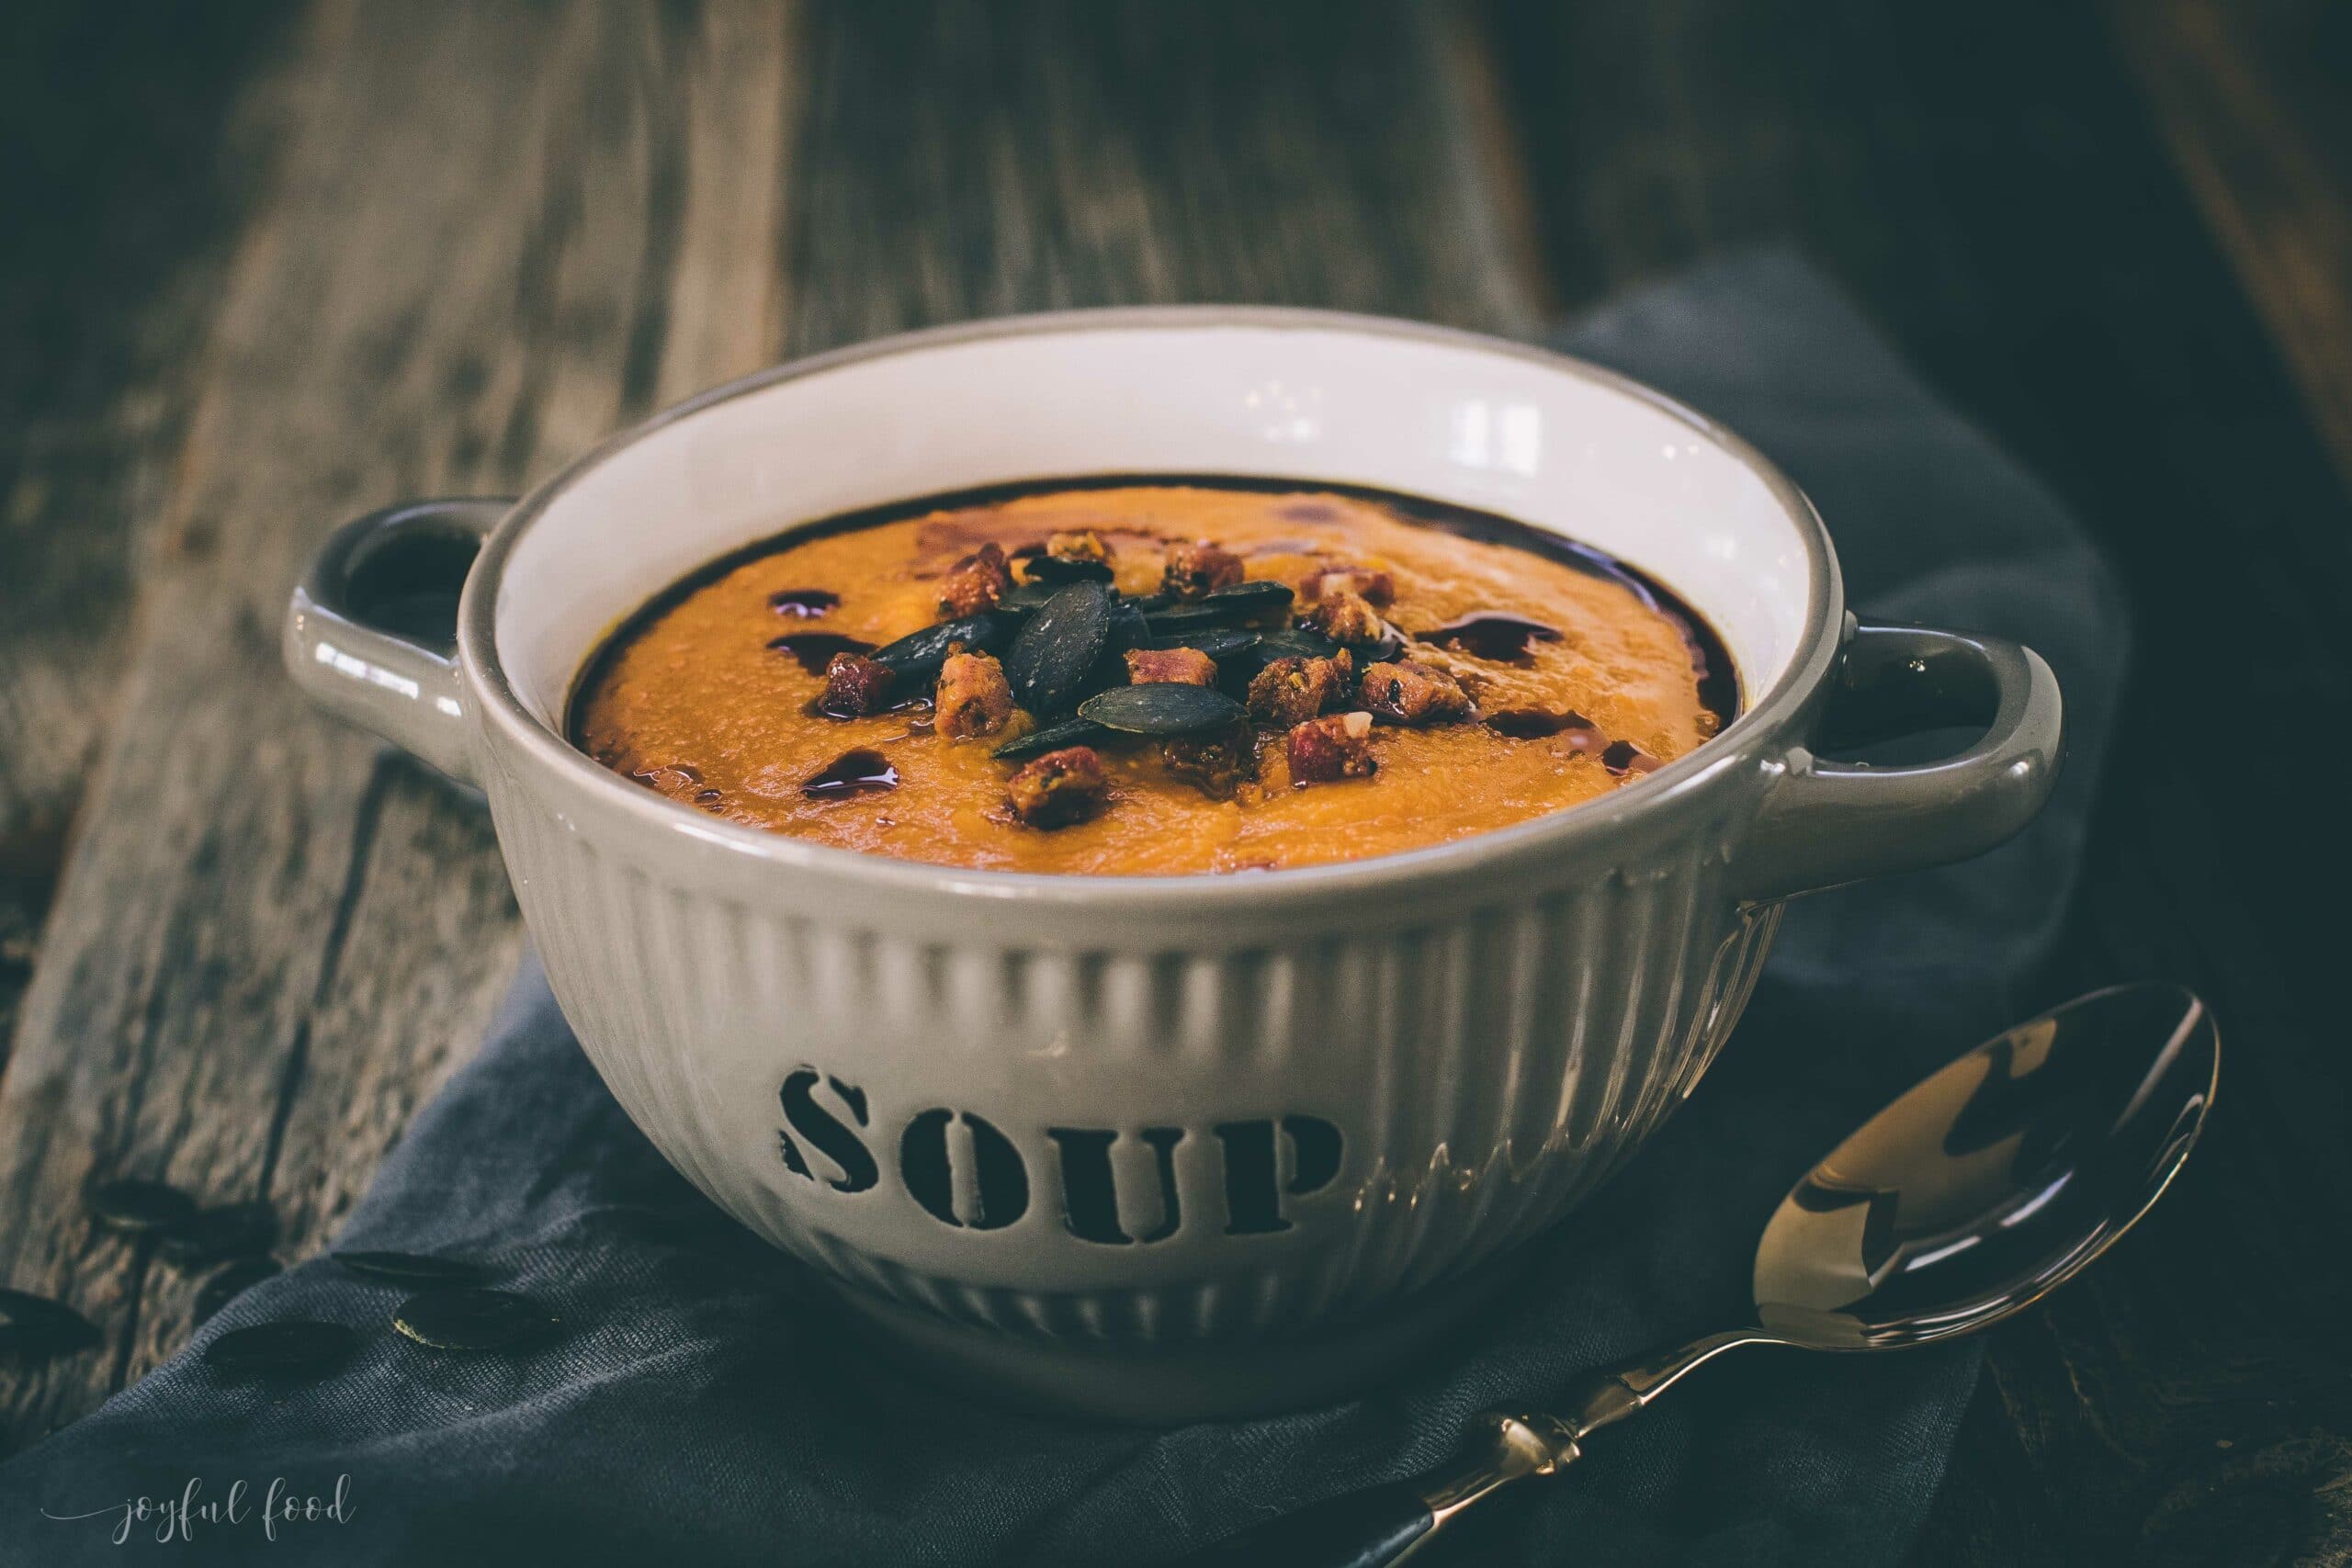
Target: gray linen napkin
702, 1405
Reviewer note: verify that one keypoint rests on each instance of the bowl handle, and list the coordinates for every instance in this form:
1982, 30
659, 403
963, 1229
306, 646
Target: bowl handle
369, 628
1826, 823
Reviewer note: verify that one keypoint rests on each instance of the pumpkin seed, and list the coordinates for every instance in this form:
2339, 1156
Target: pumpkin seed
1253, 596
1128, 630
1129, 627
231, 1280
1049, 660
1295, 642
1184, 619
471, 1319
233, 1230
1052, 738
140, 1208
290, 1348
1054, 569
1023, 597
1220, 643
412, 1268
919, 654
1162, 707
35, 1326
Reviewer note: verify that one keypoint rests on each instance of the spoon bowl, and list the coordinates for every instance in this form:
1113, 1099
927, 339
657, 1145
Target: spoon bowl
1994, 1181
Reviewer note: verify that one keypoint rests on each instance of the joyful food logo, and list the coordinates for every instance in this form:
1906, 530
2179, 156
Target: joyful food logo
1252, 1155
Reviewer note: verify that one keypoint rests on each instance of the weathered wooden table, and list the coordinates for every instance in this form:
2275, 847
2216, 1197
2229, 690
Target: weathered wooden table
270, 266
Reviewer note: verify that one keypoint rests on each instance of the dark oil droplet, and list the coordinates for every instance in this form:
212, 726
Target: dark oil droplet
1538, 724
1491, 634
861, 772
803, 603
1623, 757
659, 775
816, 650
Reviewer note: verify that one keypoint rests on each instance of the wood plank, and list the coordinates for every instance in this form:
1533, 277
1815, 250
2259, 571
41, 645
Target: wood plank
1985, 180
496, 233
2252, 101
272, 939
119, 187
1050, 153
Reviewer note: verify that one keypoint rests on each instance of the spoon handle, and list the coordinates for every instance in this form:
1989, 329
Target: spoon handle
1386, 1523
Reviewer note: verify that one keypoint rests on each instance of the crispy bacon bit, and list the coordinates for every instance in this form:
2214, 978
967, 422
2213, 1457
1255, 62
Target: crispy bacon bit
974, 698
1059, 788
1084, 544
1217, 763
1408, 693
1323, 750
1344, 616
1374, 585
1170, 666
1193, 570
1291, 691
855, 686
975, 582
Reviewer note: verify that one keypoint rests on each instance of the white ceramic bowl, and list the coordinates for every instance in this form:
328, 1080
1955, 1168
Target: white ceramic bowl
1160, 1147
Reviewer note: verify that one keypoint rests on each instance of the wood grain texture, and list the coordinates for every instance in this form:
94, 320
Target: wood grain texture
272, 939
118, 191
492, 235
1051, 154
2255, 100
1987, 182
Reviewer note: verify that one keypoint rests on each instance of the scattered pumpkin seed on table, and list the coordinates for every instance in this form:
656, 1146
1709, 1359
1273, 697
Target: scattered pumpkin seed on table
471, 1319
231, 1230
34, 1326
296, 1347
136, 1207
412, 1268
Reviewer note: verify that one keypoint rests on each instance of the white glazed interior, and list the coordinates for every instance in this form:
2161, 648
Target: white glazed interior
1535, 437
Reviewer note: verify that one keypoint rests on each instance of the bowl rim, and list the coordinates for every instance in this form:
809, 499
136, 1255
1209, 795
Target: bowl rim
503, 709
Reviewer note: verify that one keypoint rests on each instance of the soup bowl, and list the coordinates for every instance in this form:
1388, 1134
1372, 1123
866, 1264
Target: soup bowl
1159, 1147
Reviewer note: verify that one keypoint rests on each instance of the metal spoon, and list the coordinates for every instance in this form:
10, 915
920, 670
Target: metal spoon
1983, 1188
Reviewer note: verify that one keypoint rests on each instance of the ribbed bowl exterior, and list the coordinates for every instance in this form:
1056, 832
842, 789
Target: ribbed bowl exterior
1484, 1064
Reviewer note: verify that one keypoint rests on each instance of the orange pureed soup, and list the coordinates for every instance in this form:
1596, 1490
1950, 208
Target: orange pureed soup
1153, 677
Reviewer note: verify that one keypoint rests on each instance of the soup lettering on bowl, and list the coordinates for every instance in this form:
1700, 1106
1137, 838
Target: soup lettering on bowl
1153, 677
